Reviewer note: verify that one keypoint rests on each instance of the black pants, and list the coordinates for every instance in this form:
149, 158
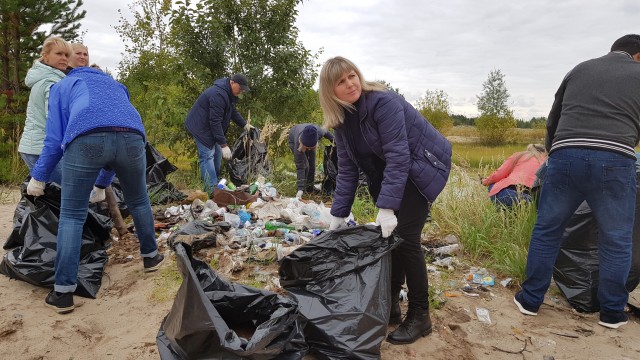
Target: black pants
408, 258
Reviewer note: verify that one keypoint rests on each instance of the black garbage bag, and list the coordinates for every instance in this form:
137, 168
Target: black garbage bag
14, 239
33, 258
342, 283
330, 167
199, 234
249, 158
576, 271
212, 318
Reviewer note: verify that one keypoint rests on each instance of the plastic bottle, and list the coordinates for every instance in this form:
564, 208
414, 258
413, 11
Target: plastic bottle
222, 183
231, 186
274, 225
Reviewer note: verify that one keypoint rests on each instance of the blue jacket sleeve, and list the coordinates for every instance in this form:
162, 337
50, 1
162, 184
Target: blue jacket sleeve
346, 181
389, 115
105, 178
57, 120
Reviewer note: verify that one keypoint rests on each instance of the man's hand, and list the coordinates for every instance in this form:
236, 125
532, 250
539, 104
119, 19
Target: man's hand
387, 221
97, 195
299, 195
248, 127
226, 153
35, 187
336, 222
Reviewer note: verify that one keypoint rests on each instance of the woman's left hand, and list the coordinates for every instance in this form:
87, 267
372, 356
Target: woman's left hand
387, 220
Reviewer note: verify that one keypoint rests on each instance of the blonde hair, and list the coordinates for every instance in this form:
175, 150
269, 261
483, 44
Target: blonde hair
332, 107
50, 43
533, 150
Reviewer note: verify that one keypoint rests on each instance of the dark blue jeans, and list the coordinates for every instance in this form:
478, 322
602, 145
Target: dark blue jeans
84, 157
509, 196
210, 163
607, 181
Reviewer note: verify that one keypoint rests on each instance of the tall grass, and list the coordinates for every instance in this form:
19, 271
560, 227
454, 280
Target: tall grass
490, 236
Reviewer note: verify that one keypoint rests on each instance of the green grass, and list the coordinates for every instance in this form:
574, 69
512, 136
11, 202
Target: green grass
490, 237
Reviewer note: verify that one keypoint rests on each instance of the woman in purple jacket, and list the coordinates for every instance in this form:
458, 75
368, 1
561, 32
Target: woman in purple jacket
406, 161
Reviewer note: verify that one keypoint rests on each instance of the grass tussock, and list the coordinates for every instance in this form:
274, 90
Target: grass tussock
166, 284
492, 237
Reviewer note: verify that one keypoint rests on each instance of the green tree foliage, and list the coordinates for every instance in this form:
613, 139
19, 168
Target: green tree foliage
462, 120
158, 78
255, 37
533, 123
434, 106
22, 32
496, 121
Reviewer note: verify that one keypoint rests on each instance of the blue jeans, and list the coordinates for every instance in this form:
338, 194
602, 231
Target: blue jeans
509, 196
84, 157
210, 162
607, 181
56, 174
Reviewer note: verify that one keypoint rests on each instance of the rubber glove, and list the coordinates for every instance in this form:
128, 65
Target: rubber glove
299, 195
35, 187
387, 221
336, 222
248, 127
97, 195
226, 153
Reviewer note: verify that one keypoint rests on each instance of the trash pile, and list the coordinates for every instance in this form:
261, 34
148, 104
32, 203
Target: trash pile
249, 222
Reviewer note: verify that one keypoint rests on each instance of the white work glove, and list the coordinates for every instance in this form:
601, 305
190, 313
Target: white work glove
248, 127
35, 187
299, 195
387, 221
97, 195
226, 153
336, 222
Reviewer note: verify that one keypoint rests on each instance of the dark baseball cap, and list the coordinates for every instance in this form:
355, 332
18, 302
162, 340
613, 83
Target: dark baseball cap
241, 80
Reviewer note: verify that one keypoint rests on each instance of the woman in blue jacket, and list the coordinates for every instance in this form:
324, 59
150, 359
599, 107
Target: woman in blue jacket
406, 161
93, 123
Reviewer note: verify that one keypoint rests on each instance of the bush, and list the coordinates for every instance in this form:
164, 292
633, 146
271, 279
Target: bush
495, 130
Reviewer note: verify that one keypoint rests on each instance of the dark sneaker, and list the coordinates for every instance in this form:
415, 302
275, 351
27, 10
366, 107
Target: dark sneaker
62, 303
613, 320
524, 307
152, 264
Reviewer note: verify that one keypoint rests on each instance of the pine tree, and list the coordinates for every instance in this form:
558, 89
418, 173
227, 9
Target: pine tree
24, 25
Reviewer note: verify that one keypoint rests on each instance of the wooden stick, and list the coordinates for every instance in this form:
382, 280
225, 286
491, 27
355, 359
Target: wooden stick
114, 211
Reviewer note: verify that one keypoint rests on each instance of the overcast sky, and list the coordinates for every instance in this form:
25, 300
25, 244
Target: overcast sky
449, 45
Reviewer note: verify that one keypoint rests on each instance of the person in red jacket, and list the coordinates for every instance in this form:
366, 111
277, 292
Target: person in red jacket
514, 180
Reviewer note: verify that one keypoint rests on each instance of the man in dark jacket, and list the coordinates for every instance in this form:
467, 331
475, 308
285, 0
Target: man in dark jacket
208, 122
303, 141
592, 130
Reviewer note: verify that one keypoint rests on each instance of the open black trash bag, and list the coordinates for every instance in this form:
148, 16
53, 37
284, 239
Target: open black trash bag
341, 280
199, 234
576, 271
212, 318
33, 244
330, 167
249, 158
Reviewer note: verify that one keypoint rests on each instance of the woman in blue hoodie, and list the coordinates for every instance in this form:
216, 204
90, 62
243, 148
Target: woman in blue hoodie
406, 161
46, 71
92, 122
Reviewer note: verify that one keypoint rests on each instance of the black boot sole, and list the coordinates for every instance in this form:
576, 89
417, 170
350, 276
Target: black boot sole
396, 342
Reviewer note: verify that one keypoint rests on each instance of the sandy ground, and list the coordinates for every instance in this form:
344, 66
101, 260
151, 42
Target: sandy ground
123, 321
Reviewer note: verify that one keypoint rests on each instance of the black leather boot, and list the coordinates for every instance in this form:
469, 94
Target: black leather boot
415, 325
396, 313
